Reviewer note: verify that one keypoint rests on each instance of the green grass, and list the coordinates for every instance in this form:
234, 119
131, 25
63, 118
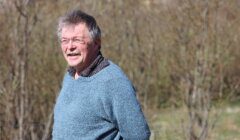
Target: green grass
170, 124
228, 125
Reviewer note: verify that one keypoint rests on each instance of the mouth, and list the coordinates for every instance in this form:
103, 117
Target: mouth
73, 54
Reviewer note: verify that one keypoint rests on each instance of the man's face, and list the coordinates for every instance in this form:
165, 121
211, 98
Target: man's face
77, 46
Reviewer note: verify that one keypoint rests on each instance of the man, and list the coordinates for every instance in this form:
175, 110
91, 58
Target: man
97, 101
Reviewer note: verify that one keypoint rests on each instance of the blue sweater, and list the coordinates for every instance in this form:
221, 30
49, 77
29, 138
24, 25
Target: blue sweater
103, 106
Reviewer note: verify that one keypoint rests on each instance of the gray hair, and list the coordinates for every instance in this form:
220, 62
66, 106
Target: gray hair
77, 16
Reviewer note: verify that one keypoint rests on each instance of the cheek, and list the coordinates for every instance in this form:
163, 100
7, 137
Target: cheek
63, 49
90, 48
84, 49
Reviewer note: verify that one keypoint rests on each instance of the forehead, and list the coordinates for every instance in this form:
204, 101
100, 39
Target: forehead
75, 30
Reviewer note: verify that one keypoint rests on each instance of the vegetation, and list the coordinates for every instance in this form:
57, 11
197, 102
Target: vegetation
180, 54
168, 126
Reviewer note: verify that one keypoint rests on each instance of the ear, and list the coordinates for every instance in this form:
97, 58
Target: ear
98, 44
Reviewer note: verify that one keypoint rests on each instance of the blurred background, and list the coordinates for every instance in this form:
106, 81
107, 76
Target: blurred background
183, 57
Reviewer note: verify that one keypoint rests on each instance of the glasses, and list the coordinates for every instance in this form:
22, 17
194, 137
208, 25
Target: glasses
74, 41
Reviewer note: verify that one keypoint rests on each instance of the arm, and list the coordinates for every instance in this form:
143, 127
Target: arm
126, 111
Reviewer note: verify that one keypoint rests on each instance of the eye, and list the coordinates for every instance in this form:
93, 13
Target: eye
64, 41
78, 41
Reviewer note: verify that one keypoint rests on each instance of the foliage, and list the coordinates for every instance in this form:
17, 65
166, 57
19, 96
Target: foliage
168, 126
171, 50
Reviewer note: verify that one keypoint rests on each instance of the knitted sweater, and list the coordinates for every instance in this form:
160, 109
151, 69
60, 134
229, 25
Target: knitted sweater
100, 107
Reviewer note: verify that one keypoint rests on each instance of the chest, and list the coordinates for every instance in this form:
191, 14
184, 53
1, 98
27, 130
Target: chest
79, 104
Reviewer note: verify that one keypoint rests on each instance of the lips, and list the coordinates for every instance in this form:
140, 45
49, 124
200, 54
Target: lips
73, 54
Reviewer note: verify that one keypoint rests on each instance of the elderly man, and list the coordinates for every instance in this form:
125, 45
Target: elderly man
97, 101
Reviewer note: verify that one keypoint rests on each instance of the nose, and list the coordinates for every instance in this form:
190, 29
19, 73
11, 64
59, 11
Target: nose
71, 45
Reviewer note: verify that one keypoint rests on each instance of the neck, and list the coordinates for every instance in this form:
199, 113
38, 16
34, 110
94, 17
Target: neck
76, 76
78, 70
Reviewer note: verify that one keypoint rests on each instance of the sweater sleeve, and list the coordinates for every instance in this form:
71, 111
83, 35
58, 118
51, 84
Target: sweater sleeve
124, 110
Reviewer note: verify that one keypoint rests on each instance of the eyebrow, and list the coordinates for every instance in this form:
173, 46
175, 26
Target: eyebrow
82, 37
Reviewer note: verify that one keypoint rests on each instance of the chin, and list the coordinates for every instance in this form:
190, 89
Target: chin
74, 64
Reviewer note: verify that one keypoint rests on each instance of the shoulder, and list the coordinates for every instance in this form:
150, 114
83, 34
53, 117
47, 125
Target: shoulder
66, 79
114, 81
112, 72
113, 77
117, 83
